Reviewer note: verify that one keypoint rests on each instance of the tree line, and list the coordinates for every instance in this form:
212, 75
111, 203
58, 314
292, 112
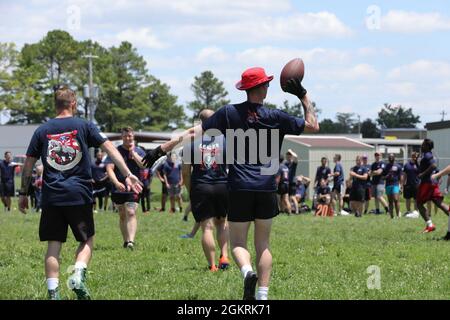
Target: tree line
128, 93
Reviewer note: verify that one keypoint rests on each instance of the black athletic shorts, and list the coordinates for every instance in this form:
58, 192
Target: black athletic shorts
99, 189
7, 189
247, 206
122, 197
56, 220
283, 188
410, 192
358, 194
209, 201
337, 188
292, 189
367, 193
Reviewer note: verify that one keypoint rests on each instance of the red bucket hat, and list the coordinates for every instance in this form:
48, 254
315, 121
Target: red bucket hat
253, 77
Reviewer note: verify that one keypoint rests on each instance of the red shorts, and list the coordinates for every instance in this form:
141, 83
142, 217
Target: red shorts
428, 191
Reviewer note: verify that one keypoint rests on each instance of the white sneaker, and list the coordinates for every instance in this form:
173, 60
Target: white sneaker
344, 213
413, 215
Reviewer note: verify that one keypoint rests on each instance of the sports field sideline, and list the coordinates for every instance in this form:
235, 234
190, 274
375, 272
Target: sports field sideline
314, 258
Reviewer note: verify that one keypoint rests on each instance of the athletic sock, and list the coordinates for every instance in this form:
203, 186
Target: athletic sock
52, 283
262, 292
245, 269
429, 223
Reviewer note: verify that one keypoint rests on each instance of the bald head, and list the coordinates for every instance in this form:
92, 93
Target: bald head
205, 114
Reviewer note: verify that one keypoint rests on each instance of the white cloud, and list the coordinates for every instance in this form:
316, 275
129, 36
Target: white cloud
405, 89
414, 22
212, 54
143, 37
266, 28
420, 70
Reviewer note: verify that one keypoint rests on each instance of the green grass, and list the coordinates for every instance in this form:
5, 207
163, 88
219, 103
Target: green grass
314, 258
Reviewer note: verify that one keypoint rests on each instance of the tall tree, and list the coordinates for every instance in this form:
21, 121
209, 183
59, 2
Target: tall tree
397, 117
346, 121
209, 93
369, 129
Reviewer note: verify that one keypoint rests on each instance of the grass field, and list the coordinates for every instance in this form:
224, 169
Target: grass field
314, 258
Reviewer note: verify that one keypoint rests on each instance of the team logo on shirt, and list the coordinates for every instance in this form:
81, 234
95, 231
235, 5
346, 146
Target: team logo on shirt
252, 116
209, 153
64, 151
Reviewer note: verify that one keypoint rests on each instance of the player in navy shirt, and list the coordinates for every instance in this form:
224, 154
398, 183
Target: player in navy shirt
284, 186
322, 172
292, 163
173, 180
367, 192
324, 192
378, 183
338, 180
146, 179
429, 189
205, 176
252, 185
7, 189
392, 173
411, 181
99, 179
126, 200
359, 175
63, 145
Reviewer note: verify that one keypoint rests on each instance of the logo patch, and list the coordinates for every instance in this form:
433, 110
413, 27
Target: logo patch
64, 151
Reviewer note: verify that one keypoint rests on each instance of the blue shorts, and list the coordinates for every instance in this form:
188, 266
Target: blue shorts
393, 189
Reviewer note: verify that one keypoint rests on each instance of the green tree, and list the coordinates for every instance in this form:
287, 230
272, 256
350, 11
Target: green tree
297, 109
369, 129
329, 126
346, 121
397, 117
209, 93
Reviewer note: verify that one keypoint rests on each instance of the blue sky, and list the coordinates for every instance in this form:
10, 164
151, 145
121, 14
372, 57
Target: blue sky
358, 54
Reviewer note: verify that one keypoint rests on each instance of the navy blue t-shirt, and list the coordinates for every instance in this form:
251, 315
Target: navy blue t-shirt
63, 144
376, 180
211, 153
130, 162
357, 183
243, 175
322, 173
392, 172
98, 170
7, 171
172, 171
283, 173
425, 163
411, 169
337, 181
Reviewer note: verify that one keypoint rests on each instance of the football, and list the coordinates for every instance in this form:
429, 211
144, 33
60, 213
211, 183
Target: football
293, 69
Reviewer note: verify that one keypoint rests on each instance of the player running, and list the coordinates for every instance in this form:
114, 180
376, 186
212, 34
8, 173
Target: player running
126, 200
428, 188
63, 145
252, 194
207, 185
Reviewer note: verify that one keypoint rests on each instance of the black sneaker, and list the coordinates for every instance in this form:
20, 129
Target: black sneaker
125, 244
185, 218
250, 285
130, 245
446, 237
54, 294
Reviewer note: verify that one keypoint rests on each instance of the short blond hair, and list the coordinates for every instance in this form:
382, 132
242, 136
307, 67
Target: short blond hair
64, 97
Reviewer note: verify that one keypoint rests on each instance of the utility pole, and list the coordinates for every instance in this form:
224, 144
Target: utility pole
443, 114
359, 124
90, 91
